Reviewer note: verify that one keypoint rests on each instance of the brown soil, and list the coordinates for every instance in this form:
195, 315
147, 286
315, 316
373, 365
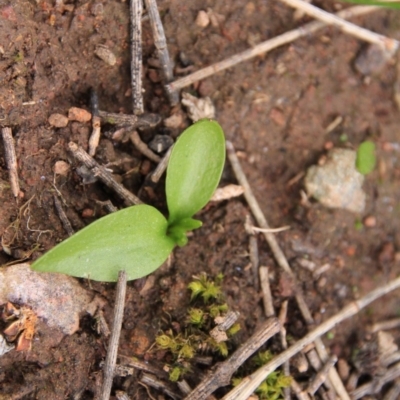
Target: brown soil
274, 108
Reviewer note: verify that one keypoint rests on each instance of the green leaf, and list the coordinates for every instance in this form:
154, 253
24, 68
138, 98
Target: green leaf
366, 160
194, 169
383, 3
133, 239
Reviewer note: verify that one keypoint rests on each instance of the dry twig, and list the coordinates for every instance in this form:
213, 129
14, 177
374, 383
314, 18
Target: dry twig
385, 325
322, 375
282, 262
133, 121
143, 148
390, 45
266, 292
94, 139
112, 351
222, 375
161, 167
262, 48
11, 159
136, 8
102, 174
63, 218
152, 381
161, 46
250, 383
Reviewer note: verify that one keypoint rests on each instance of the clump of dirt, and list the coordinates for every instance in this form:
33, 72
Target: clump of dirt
275, 108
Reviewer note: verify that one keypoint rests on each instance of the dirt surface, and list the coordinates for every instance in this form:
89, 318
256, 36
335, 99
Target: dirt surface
274, 108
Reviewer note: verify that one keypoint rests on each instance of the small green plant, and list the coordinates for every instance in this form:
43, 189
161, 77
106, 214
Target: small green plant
195, 336
272, 387
139, 239
383, 3
366, 160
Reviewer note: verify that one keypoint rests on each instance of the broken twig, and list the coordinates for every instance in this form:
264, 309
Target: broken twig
223, 373
143, 148
282, 262
63, 217
390, 45
102, 174
263, 47
162, 166
112, 351
136, 8
11, 159
133, 121
322, 375
251, 382
161, 45
94, 139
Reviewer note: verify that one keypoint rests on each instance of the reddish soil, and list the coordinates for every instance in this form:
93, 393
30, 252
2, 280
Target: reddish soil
275, 109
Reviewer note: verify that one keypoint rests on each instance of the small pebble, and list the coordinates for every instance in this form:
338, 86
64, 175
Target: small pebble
106, 55
58, 120
174, 121
161, 143
202, 19
278, 117
370, 221
79, 114
371, 60
61, 168
87, 213
343, 369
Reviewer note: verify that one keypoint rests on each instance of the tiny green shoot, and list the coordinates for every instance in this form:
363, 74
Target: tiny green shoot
383, 3
139, 239
366, 160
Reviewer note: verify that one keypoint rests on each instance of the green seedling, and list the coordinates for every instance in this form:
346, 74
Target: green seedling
139, 239
366, 160
272, 387
194, 336
383, 3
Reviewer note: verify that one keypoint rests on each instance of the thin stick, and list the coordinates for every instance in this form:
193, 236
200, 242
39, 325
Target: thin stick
94, 139
389, 45
251, 382
282, 262
152, 381
61, 214
162, 166
286, 366
385, 325
370, 387
223, 373
136, 8
271, 230
322, 375
11, 159
112, 351
298, 391
143, 148
394, 392
161, 45
262, 48
102, 174
133, 121
266, 292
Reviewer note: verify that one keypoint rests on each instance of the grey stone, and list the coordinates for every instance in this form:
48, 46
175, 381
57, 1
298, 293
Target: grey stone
337, 183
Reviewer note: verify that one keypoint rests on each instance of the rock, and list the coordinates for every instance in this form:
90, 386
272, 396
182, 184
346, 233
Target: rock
56, 298
105, 54
372, 60
174, 121
161, 143
202, 19
61, 168
198, 108
337, 183
79, 114
58, 120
